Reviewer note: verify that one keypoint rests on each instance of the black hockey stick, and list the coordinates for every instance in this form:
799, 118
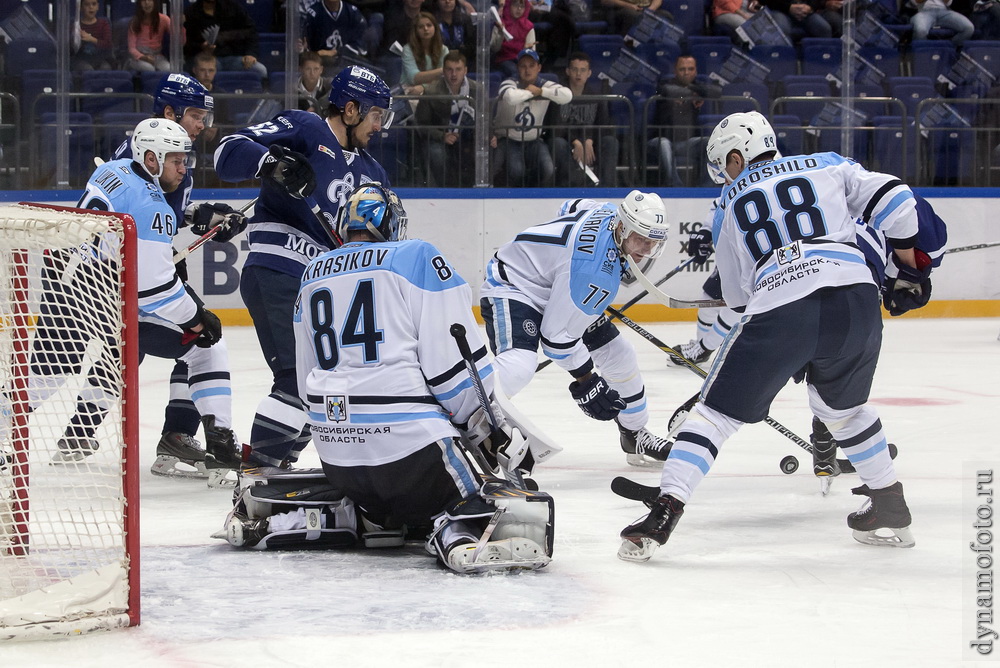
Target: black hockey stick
639, 297
635, 491
641, 331
513, 475
961, 249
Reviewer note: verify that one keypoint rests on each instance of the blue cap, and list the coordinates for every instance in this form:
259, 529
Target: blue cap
528, 52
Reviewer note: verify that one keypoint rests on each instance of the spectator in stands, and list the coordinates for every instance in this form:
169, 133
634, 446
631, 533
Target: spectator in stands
224, 29
457, 30
932, 13
448, 125
146, 32
423, 55
582, 143
330, 26
833, 12
984, 14
92, 42
312, 87
204, 70
621, 15
521, 105
728, 15
679, 140
554, 28
514, 17
400, 16
802, 14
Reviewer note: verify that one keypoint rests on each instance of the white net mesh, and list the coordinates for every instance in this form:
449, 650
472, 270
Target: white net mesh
63, 552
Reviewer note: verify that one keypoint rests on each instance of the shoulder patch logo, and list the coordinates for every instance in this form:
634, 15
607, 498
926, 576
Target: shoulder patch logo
327, 150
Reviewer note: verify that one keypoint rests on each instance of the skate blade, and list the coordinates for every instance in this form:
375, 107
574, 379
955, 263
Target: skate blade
69, 458
641, 461
900, 538
222, 478
171, 467
637, 549
825, 483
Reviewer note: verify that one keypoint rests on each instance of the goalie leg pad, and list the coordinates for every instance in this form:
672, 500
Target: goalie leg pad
294, 510
503, 528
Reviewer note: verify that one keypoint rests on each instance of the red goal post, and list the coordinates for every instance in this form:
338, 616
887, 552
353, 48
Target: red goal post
69, 532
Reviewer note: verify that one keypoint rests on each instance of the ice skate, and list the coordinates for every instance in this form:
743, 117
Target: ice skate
179, 455
643, 448
499, 555
641, 539
222, 460
241, 531
692, 350
74, 449
825, 466
884, 509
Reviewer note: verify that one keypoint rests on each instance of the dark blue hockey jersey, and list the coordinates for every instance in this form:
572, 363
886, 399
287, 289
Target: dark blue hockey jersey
322, 30
283, 233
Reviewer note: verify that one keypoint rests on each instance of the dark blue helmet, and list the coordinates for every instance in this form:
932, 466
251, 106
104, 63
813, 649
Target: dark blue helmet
375, 209
180, 91
361, 85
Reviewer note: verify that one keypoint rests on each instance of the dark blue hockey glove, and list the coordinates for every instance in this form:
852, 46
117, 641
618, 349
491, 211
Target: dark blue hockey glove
911, 289
596, 398
288, 170
700, 246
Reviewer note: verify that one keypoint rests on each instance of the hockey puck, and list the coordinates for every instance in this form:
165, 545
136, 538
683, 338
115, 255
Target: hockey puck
789, 464
893, 451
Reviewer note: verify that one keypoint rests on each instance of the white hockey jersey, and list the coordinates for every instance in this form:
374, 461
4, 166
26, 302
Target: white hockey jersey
568, 269
378, 368
785, 228
118, 186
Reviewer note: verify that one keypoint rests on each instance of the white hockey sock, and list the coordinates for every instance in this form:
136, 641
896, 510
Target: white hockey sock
858, 432
695, 450
724, 321
617, 363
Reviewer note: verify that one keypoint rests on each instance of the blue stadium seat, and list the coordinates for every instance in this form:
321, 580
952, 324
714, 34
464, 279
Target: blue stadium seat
107, 81
886, 60
33, 84
637, 94
28, 54
782, 60
952, 156
271, 50
602, 49
495, 78
802, 87
749, 92
392, 150
121, 9
789, 133
660, 56
276, 81
81, 147
820, 55
894, 146
688, 14
710, 57
911, 93
870, 108
591, 27
984, 52
243, 83
114, 128
261, 13
707, 40
931, 58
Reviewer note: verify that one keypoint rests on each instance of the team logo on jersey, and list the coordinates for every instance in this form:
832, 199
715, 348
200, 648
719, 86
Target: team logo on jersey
530, 328
336, 408
790, 253
328, 151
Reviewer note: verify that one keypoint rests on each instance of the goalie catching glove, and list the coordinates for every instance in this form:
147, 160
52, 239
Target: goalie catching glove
288, 171
911, 288
596, 398
205, 216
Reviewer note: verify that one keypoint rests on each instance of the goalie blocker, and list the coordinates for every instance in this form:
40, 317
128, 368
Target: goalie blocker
502, 528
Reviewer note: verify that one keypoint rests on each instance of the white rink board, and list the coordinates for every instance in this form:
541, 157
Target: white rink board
468, 232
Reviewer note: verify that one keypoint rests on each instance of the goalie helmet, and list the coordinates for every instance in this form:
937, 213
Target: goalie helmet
643, 215
361, 85
161, 137
376, 210
179, 91
749, 133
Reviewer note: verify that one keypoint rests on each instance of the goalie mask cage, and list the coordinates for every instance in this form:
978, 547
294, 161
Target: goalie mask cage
69, 539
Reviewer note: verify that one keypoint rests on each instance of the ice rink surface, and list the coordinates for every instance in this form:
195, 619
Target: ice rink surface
761, 571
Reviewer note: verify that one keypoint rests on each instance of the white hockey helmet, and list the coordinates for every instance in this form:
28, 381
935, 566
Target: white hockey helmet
746, 132
161, 137
644, 215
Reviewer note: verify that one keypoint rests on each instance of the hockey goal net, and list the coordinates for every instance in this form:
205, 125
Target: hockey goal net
68, 517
